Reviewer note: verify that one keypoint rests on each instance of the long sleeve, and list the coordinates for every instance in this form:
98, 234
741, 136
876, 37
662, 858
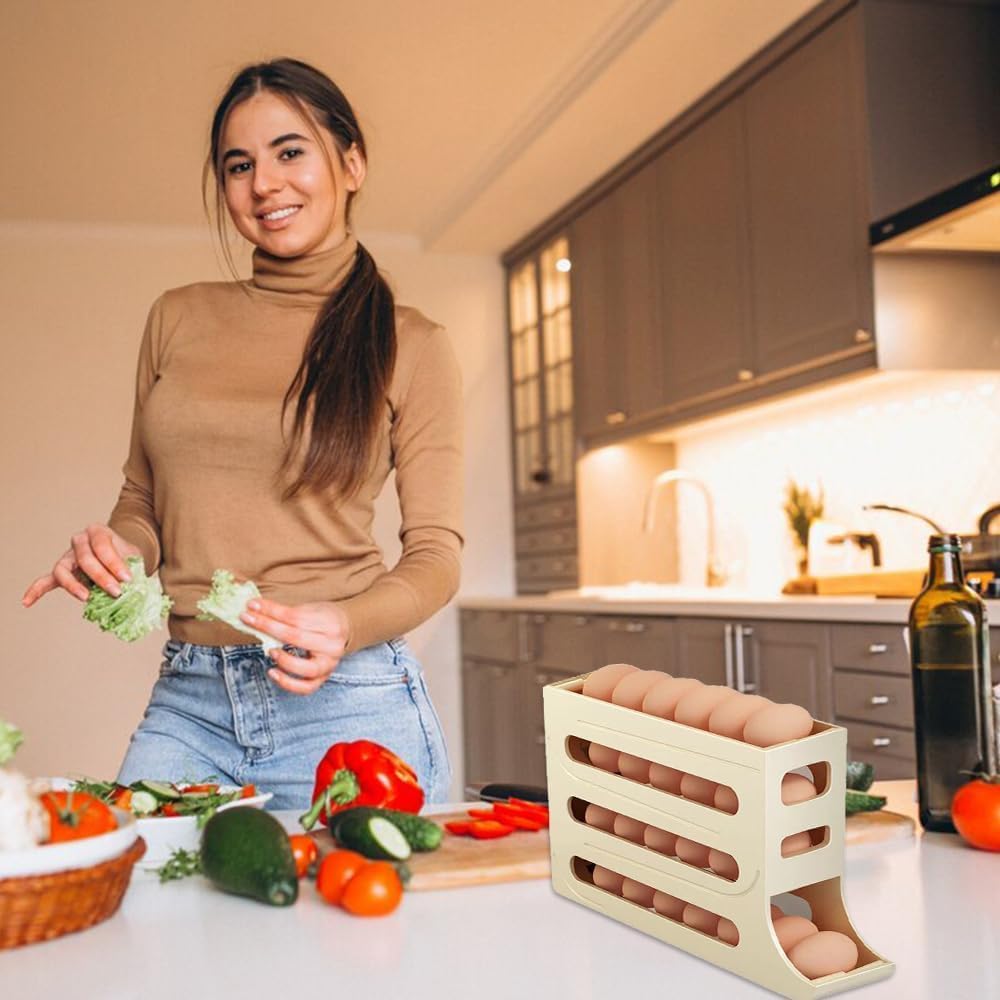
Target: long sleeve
133, 515
426, 439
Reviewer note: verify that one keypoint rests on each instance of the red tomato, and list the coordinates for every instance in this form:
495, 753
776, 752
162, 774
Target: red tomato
975, 810
248, 791
335, 871
75, 815
304, 852
374, 891
204, 787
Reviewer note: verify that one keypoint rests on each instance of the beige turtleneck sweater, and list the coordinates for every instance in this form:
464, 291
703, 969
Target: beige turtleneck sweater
200, 490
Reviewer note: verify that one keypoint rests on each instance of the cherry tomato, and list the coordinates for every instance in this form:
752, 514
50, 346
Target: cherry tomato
204, 787
304, 852
122, 797
374, 891
248, 791
975, 810
74, 815
335, 871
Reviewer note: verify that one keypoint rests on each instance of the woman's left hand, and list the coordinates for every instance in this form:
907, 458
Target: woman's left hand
321, 629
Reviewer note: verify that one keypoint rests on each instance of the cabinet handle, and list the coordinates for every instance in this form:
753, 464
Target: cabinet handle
635, 626
878, 647
614, 417
523, 645
539, 619
728, 647
862, 336
744, 375
580, 620
739, 632
878, 699
541, 476
498, 671
881, 741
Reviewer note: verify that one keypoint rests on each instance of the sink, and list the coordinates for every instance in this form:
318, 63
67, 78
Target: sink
639, 591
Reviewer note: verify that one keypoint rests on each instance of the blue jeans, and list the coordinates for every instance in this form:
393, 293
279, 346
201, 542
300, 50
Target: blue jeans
214, 711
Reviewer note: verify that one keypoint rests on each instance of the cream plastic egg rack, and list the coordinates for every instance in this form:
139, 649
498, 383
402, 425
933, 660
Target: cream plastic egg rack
752, 835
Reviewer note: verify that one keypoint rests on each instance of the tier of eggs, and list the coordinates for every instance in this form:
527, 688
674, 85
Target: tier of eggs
815, 953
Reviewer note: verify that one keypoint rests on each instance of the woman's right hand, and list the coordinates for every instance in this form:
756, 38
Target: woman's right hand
97, 551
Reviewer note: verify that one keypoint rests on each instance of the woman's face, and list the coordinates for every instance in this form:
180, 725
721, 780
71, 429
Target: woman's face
272, 164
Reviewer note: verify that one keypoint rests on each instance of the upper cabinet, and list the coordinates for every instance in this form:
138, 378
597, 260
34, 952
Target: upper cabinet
729, 259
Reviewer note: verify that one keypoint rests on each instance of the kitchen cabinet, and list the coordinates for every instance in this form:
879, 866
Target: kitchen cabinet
645, 642
491, 709
543, 445
704, 650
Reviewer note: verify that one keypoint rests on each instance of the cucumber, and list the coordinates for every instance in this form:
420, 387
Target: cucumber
162, 790
144, 803
420, 833
860, 775
373, 836
246, 851
856, 802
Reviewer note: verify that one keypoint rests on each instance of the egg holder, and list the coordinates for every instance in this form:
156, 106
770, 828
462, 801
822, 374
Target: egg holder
752, 835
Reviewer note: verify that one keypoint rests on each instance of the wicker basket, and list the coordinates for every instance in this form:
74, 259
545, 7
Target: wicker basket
40, 907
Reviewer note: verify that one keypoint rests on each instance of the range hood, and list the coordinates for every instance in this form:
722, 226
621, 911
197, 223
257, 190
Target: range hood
966, 218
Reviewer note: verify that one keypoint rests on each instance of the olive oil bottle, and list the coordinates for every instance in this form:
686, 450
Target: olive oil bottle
952, 694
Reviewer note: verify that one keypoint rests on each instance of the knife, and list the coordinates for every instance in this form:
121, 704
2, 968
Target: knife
501, 791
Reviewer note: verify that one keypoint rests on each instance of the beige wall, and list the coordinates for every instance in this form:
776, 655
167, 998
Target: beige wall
73, 301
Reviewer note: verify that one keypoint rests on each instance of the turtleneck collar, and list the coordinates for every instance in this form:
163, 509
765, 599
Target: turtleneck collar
307, 280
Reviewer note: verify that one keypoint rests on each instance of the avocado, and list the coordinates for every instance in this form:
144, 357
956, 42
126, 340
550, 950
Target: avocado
246, 851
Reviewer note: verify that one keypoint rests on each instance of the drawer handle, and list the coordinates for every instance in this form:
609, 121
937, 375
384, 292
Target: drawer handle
635, 626
881, 741
498, 671
878, 647
878, 699
580, 620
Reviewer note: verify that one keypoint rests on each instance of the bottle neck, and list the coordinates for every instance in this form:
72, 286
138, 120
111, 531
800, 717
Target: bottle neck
945, 567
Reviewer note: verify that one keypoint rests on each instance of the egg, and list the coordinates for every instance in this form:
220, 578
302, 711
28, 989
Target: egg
635, 768
631, 689
726, 800
692, 852
603, 819
723, 864
662, 698
728, 932
660, 840
606, 879
796, 844
601, 682
776, 911
603, 757
667, 779
668, 906
630, 829
824, 953
777, 724
796, 788
638, 893
730, 716
697, 705
791, 930
698, 789
700, 920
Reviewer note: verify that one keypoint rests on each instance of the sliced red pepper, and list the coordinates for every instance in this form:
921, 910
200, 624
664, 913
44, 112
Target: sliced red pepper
458, 827
488, 829
518, 819
480, 813
525, 804
204, 787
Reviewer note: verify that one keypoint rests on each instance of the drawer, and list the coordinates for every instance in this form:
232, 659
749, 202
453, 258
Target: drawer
563, 642
646, 642
873, 698
545, 513
891, 751
490, 635
555, 567
876, 648
560, 539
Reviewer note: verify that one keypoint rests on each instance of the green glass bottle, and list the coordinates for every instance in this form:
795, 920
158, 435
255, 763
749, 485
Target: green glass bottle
952, 694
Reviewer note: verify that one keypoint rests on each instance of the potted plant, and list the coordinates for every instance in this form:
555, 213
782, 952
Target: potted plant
801, 508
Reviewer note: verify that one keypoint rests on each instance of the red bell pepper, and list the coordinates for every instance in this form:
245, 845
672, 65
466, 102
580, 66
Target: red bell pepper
362, 773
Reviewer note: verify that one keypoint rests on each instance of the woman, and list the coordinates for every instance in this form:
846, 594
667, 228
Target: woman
268, 415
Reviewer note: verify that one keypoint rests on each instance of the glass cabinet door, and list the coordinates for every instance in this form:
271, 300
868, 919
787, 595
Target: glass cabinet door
557, 360
529, 459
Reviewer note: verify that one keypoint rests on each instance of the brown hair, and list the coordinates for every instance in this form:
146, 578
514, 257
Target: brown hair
350, 355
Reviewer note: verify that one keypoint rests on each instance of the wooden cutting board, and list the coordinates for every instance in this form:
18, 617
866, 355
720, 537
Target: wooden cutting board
466, 861
875, 827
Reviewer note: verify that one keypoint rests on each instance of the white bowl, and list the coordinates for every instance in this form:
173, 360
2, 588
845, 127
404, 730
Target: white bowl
165, 834
84, 853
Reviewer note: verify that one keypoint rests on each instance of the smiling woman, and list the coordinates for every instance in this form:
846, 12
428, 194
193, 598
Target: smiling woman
268, 416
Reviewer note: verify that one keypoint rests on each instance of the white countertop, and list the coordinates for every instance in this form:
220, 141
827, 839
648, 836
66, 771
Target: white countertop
726, 604
931, 905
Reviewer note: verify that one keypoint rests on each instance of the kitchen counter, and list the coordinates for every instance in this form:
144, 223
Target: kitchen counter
727, 604
930, 904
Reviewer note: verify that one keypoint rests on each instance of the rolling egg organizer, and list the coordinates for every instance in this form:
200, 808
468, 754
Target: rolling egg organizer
752, 835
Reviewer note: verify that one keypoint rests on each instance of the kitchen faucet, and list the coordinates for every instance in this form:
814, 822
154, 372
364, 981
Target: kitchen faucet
714, 575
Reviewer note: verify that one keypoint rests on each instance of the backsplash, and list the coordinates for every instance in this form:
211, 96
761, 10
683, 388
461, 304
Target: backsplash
929, 441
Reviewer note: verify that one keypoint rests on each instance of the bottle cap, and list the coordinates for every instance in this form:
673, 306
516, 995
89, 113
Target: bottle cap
944, 543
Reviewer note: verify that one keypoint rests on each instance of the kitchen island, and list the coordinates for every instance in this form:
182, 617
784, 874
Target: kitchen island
930, 904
